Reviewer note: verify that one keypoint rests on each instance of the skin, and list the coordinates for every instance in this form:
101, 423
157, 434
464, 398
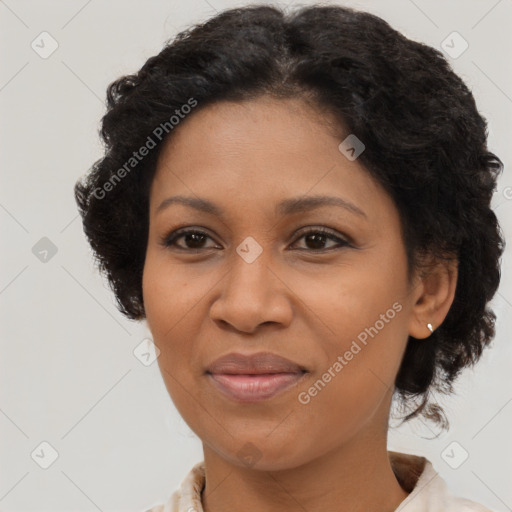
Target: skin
294, 300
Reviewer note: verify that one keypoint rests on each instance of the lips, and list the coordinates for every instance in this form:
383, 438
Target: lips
252, 378
260, 363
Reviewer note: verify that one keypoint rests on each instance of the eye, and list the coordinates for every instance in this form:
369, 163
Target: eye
317, 238
193, 240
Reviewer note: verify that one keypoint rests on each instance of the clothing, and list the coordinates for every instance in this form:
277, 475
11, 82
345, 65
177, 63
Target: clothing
428, 491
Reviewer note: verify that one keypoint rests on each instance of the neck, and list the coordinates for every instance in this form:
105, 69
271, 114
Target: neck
355, 477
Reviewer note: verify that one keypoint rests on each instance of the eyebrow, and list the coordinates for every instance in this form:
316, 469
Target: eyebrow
285, 207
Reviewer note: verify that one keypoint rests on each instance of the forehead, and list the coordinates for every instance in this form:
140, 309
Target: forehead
259, 151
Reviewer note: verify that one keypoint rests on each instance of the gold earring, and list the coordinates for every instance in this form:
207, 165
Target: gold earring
430, 328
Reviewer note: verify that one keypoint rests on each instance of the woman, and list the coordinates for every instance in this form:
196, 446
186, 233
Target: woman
299, 207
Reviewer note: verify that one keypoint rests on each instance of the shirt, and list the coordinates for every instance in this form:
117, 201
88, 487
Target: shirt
428, 492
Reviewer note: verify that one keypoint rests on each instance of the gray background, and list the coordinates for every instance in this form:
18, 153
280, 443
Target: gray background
68, 374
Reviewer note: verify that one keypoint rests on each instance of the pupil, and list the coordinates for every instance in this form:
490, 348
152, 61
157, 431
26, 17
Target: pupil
318, 240
196, 238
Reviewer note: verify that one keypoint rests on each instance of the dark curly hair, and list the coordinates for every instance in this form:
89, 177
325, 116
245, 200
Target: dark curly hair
425, 143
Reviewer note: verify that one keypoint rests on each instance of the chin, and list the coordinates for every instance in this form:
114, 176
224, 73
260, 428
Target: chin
261, 453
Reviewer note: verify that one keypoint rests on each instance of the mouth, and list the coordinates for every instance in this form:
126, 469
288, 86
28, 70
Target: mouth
254, 387
254, 377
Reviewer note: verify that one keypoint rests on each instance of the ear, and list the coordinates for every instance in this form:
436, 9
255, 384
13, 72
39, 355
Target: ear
433, 296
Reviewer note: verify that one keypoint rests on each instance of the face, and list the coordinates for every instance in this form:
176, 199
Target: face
322, 284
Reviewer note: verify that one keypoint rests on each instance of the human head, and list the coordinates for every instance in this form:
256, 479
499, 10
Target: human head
425, 144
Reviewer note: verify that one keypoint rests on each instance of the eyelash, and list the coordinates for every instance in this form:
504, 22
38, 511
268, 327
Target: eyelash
169, 240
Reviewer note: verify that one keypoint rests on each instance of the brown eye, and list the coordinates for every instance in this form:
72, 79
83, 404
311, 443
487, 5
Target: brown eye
316, 239
193, 240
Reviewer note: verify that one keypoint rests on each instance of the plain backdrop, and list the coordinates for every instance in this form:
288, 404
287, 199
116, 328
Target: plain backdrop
69, 377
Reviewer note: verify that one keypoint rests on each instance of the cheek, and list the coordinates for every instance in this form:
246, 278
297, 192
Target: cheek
361, 317
351, 389
358, 301
167, 295
169, 305
169, 309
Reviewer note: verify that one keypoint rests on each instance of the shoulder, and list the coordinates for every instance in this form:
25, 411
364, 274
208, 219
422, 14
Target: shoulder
440, 497
428, 491
187, 497
457, 504
172, 505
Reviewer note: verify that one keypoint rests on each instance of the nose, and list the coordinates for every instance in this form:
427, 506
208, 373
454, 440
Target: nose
252, 294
